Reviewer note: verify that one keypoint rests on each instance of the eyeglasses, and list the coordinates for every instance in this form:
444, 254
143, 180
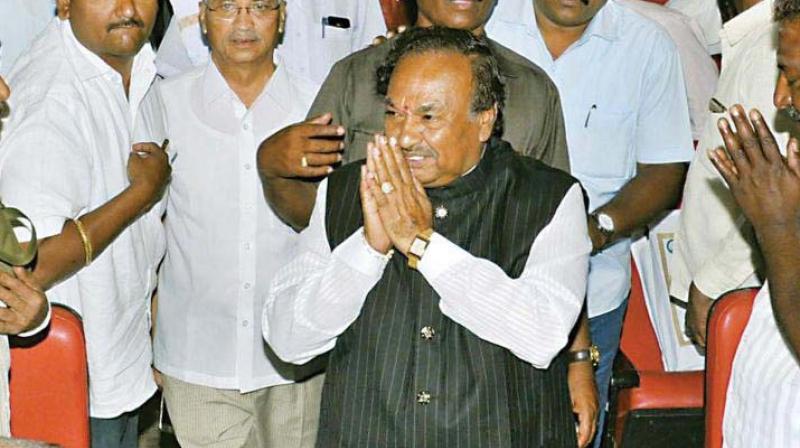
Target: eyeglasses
229, 9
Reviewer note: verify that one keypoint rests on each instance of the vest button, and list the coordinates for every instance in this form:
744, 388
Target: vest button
424, 397
440, 212
427, 333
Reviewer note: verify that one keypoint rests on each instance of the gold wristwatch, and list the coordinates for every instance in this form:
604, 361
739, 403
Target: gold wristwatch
418, 247
588, 354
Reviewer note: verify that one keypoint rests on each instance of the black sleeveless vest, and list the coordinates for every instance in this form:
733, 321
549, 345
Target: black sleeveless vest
389, 386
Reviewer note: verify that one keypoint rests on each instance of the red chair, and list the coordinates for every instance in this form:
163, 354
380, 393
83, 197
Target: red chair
49, 384
729, 317
649, 406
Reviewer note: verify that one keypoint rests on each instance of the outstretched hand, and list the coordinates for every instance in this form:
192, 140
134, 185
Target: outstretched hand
764, 183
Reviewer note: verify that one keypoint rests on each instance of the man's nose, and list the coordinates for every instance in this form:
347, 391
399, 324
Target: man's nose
126, 8
783, 97
410, 134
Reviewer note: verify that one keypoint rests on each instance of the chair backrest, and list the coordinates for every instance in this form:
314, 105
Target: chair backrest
729, 317
639, 341
49, 384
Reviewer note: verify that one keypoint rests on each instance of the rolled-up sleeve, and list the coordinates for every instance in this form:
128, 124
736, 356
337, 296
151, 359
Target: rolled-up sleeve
46, 168
532, 315
664, 130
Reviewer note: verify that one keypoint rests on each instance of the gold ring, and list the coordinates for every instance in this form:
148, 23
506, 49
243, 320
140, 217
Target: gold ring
387, 187
304, 162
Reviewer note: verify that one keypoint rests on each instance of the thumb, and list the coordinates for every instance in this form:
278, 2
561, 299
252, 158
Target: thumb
321, 119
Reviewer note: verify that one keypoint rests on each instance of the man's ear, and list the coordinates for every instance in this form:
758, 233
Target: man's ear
282, 18
201, 17
62, 6
486, 120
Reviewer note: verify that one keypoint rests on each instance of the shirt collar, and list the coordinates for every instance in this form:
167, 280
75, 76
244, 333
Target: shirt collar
604, 25
751, 21
93, 66
215, 87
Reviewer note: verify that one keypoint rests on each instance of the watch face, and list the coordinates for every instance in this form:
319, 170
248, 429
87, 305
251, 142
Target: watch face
605, 221
418, 247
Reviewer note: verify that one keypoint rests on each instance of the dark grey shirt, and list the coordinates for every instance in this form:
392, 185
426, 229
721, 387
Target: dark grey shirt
534, 124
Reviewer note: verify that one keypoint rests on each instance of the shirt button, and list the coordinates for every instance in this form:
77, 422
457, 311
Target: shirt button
247, 166
427, 333
246, 126
424, 397
247, 246
245, 323
247, 285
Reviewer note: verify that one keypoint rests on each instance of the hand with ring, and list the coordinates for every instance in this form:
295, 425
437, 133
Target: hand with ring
302, 150
402, 204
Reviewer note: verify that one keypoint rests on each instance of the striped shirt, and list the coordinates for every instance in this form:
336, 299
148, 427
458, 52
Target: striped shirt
763, 403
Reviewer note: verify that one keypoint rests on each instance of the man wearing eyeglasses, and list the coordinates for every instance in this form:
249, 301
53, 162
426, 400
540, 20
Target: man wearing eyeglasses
321, 31
223, 386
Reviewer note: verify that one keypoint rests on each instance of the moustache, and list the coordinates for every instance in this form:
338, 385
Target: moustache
792, 113
419, 151
126, 23
245, 35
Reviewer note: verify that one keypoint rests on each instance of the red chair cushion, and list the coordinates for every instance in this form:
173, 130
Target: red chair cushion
49, 385
728, 320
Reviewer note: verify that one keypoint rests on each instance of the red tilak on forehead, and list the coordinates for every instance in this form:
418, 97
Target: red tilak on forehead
403, 107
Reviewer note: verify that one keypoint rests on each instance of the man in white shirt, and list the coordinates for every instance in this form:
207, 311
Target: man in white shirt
222, 385
707, 15
763, 400
66, 160
20, 22
628, 131
699, 69
715, 251
318, 33
444, 275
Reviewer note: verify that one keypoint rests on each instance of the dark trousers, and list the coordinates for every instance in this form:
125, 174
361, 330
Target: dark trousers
606, 330
117, 432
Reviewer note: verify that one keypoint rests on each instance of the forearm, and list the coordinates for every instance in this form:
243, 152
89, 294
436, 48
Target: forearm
317, 297
531, 316
581, 338
291, 199
781, 250
63, 255
655, 188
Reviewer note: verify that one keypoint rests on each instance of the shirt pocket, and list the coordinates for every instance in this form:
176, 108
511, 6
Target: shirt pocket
606, 149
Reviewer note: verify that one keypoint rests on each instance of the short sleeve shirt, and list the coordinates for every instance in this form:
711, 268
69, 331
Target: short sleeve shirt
624, 100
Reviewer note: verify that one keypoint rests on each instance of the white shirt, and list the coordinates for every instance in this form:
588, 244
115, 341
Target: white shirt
320, 293
624, 102
762, 408
224, 243
699, 70
309, 48
707, 15
714, 246
20, 22
64, 154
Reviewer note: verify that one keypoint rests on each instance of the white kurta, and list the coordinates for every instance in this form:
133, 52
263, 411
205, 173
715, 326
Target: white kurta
224, 243
64, 154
